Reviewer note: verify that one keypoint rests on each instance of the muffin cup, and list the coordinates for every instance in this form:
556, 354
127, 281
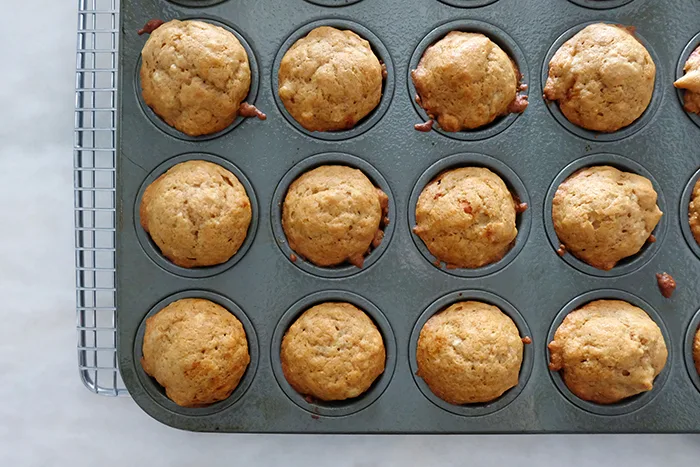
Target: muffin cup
349, 406
692, 45
688, 349
477, 409
330, 158
468, 3
622, 133
157, 393
625, 265
629, 404
250, 98
498, 36
379, 50
512, 181
600, 4
152, 250
684, 211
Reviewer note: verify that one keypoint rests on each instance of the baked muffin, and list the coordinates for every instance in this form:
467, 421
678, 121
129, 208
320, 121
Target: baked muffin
194, 75
198, 214
466, 81
471, 352
608, 350
332, 352
603, 78
196, 350
694, 212
690, 82
466, 217
696, 351
330, 79
333, 214
603, 215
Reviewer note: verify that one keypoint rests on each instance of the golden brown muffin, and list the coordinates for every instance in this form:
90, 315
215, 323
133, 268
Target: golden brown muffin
197, 213
603, 215
470, 352
330, 79
332, 352
696, 351
691, 82
194, 75
466, 81
333, 214
197, 350
466, 217
608, 350
603, 78
694, 212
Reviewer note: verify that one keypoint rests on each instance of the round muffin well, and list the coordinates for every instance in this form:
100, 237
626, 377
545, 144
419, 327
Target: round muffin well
334, 214
197, 213
330, 79
466, 81
197, 350
602, 215
607, 351
332, 352
194, 75
467, 217
471, 352
602, 78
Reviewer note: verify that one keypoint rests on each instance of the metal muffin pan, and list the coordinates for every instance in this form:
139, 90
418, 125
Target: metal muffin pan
401, 288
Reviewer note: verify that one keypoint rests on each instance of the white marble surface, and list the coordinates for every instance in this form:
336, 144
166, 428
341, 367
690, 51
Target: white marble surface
47, 418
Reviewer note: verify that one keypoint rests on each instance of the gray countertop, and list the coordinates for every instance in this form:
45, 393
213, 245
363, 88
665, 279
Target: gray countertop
48, 418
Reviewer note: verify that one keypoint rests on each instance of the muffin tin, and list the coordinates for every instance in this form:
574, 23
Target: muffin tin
399, 287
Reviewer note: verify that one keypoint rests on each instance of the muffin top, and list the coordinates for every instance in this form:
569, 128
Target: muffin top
694, 212
691, 82
330, 79
197, 213
194, 75
466, 217
603, 215
333, 214
603, 78
333, 351
608, 350
196, 350
470, 352
465, 81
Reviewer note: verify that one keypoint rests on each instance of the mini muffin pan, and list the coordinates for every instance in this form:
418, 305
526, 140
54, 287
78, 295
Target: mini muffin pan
400, 287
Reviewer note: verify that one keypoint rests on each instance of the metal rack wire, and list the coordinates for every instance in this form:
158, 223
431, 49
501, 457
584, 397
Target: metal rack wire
95, 194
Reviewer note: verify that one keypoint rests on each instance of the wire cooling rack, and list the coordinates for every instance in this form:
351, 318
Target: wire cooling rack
95, 194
